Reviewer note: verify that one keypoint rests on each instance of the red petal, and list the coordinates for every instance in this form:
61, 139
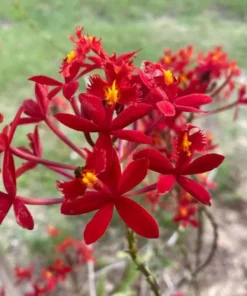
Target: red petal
96, 228
15, 122
91, 201
22, 215
130, 115
97, 160
189, 109
41, 95
112, 174
32, 109
203, 164
193, 100
134, 173
5, 204
77, 123
132, 136
166, 108
94, 108
53, 92
3, 142
137, 218
165, 183
195, 189
72, 189
45, 80
9, 178
158, 162
69, 89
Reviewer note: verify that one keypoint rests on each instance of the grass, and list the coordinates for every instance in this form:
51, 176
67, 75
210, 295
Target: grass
34, 40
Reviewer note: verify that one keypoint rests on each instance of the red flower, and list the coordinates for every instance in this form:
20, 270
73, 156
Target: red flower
53, 231
186, 213
59, 269
101, 120
163, 92
161, 164
117, 183
23, 273
87, 176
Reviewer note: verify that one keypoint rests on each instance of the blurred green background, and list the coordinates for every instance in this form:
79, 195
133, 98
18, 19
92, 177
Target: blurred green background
34, 40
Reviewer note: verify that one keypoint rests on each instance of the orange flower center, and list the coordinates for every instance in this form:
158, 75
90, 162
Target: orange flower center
112, 94
168, 76
167, 59
188, 196
183, 212
48, 275
70, 56
89, 178
186, 144
183, 78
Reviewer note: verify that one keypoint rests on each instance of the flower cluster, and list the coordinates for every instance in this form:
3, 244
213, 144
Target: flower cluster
138, 122
72, 255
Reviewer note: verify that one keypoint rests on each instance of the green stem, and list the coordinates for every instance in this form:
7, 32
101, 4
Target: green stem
141, 266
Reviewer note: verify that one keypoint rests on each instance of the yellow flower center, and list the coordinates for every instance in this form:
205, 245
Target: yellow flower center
168, 76
48, 275
167, 59
70, 56
89, 178
183, 212
111, 94
186, 144
89, 37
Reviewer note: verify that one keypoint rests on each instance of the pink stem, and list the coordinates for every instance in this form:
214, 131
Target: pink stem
61, 172
17, 152
40, 201
219, 109
219, 89
146, 189
87, 70
64, 138
147, 132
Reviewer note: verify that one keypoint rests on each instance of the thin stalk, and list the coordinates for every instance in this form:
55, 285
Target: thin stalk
40, 201
62, 137
141, 266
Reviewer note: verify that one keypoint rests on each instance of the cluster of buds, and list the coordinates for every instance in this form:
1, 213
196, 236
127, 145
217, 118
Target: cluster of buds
142, 119
73, 254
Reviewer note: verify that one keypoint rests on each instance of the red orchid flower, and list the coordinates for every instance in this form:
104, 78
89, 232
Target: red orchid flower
22, 274
117, 183
101, 120
86, 177
163, 92
186, 213
59, 269
161, 164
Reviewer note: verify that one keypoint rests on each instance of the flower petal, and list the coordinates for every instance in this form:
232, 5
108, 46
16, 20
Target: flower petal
5, 204
42, 97
195, 189
203, 164
22, 215
193, 100
166, 108
130, 115
9, 178
96, 228
91, 201
165, 183
45, 80
137, 218
134, 173
132, 136
72, 189
158, 162
94, 108
70, 88
77, 123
